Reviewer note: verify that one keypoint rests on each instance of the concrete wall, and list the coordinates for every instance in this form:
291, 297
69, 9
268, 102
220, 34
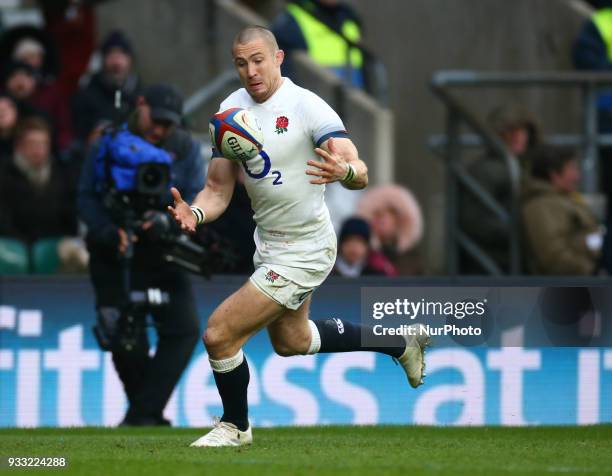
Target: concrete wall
169, 37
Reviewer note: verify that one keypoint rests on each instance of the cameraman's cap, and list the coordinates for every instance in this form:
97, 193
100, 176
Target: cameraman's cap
165, 101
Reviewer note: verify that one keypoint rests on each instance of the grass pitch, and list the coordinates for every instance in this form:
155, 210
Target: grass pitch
381, 450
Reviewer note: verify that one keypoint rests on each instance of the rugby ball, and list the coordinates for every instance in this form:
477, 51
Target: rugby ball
236, 134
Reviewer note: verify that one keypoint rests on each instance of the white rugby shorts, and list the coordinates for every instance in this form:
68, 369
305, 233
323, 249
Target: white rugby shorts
289, 270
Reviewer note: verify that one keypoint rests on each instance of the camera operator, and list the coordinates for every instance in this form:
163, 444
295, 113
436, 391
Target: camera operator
127, 241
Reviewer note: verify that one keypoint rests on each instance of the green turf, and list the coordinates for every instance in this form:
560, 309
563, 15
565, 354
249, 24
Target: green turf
381, 450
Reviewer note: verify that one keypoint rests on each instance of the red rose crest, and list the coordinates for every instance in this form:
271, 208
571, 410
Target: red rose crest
281, 124
272, 276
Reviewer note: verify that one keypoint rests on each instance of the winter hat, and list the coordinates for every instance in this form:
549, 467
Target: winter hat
26, 46
355, 227
403, 203
116, 39
15, 66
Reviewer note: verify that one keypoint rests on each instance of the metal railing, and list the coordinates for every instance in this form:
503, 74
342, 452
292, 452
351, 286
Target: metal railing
459, 114
206, 93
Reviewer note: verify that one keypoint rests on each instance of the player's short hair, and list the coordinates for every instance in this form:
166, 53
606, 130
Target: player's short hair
31, 124
255, 32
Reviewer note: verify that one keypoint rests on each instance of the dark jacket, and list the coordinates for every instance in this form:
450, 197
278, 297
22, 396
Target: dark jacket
29, 213
478, 222
95, 102
7, 146
556, 226
590, 53
490, 171
187, 172
50, 98
231, 231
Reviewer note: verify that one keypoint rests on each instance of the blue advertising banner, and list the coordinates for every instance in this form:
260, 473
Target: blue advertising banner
53, 374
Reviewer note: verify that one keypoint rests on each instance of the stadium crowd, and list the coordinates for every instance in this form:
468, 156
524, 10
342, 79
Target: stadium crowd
54, 107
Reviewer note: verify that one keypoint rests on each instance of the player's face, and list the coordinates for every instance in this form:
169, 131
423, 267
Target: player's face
259, 68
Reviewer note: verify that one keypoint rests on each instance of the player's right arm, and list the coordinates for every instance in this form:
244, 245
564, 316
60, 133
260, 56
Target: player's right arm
213, 199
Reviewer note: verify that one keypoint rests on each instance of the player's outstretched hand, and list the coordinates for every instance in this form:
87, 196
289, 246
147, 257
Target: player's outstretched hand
332, 169
182, 213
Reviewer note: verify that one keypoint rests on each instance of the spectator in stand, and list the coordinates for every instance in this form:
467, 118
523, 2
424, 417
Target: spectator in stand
397, 226
32, 45
519, 131
593, 52
325, 29
8, 123
22, 83
562, 235
48, 96
37, 193
95, 101
355, 254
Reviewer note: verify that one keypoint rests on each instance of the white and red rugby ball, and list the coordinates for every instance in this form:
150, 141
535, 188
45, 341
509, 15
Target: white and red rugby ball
236, 134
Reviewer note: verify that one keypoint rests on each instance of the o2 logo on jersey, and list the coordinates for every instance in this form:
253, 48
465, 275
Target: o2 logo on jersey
265, 171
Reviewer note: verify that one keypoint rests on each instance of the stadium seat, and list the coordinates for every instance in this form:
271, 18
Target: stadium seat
45, 259
13, 257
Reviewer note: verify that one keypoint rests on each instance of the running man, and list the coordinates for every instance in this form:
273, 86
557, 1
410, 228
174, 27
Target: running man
305, 147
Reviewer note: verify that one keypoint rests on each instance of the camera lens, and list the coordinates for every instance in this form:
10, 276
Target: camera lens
152, 178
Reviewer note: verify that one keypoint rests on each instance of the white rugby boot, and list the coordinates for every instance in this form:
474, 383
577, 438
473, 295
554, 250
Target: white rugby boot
413, 358
224, 434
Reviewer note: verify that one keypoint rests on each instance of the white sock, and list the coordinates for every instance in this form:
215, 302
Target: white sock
315, 339
227, 365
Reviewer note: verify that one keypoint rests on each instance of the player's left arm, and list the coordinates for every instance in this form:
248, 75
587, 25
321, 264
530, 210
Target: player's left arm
340, 163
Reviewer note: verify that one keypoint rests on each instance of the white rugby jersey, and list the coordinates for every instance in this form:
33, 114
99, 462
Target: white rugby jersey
294, 121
